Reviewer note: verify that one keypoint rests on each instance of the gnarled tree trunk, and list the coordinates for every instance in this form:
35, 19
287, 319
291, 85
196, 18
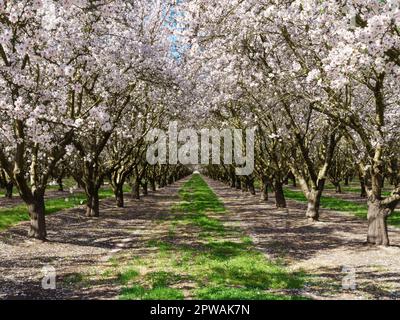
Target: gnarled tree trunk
238, 183
252, 189
93, 201
145, 188
264, 188
119, 195
313, 204
93, 205
60, 184
136, 189
363, 193
377, 223
232, 179
36, 208
9, 190
153, 185
280, 200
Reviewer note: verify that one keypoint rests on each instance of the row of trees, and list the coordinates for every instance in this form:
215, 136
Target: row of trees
319, 80
83, 81
81, 84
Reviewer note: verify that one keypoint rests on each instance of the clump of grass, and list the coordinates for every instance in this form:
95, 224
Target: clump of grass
128, 275
138, 292
162, 278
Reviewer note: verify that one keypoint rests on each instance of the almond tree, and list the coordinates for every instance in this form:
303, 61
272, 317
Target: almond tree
35, 126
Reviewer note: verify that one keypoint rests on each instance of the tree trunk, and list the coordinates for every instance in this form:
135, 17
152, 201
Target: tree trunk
60, 184
93, 203
233, 181
136, 189
363, 193
119, 195
36, 210
280, 200
264, 188
362, 185
238, 183
346, 181
252, 189
245, 187
153, 185
377, 224
338, 188
163, 182
9, 190
145, 188
313, 203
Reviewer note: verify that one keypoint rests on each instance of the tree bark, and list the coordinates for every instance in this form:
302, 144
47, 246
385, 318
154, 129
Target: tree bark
93, 202
153, 184
313, 204
119, 195
238, 183
252, 189
280, 200
60, 184
145, 188
9, 190
136, 189
377, 223
361, 178
264, 188
245, 186
233, 180
363, 193
36, 209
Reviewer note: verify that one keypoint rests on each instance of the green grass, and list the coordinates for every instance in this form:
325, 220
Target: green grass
358, 209
354, 187
12, 215
138, 292
229, 293
216, 262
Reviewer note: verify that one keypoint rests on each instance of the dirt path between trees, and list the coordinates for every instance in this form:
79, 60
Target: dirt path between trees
333, 252
78, 245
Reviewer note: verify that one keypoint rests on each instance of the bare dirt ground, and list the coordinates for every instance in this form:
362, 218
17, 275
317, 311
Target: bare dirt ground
331, 251
77, 245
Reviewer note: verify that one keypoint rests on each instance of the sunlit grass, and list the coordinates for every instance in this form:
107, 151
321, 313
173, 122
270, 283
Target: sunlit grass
358, 209
211, 266
12, 215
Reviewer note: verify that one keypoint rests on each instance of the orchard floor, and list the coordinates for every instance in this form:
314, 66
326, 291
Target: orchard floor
81, 246
77, 246
330, 251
